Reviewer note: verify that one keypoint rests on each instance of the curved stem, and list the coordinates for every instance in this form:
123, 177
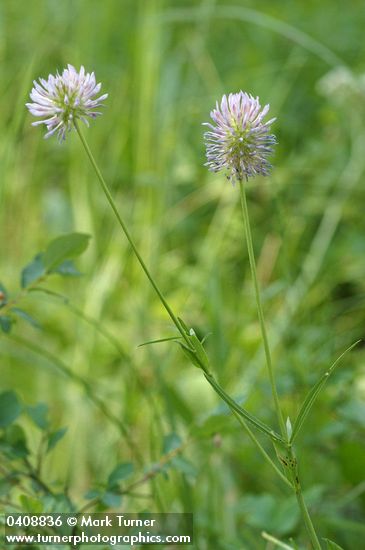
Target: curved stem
251, 256
127, 234
238, 411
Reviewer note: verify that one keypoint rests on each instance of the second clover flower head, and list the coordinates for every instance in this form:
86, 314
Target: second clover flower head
63, 98
239, 142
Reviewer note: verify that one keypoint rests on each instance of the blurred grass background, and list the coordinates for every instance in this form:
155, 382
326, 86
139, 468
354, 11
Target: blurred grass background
164, 63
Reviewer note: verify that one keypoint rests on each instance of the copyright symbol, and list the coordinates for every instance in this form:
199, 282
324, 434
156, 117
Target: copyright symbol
72, 521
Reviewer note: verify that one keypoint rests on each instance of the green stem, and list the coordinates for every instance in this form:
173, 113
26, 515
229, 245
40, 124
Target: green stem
127, 234
253, 438
251, 256
232, 404
242, 412
293, 465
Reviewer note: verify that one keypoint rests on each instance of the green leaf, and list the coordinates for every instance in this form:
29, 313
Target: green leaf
6, 484
184, 325
24, 315
332, 545
54, 438
313, 394
92, 494
33, 271
111, 500
205, 338
242, 412
120, 472
16, 442
64, 248
38, 413
67, 269
31, 504
10, 408
190, 354
168, 339
5, 323
171, 442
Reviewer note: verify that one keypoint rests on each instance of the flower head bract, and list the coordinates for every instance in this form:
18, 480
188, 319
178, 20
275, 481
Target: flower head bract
63, 98
239, 142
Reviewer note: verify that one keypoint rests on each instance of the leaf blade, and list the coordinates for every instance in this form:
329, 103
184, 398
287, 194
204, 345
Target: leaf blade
159, 340
10, 408
314, 392
32, 271
242, 412
332, 545
64, 248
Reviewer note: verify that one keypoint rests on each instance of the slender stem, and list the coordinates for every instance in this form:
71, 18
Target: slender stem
293, 465
307, 520
223, 395
251, 256
253, 438
242, 412
292, 460
127, 234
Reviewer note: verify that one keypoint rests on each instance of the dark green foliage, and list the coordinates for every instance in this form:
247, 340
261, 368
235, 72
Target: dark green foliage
64, 248
33, 271
54, 438
39, 414
120, 472
10, 408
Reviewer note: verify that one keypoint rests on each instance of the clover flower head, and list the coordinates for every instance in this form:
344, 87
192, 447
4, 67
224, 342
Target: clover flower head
239, 142
63, 98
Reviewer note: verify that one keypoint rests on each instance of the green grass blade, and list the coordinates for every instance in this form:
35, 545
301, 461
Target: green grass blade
314, 392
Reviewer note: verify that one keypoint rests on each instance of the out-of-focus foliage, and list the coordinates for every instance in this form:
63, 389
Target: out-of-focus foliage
74, 348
